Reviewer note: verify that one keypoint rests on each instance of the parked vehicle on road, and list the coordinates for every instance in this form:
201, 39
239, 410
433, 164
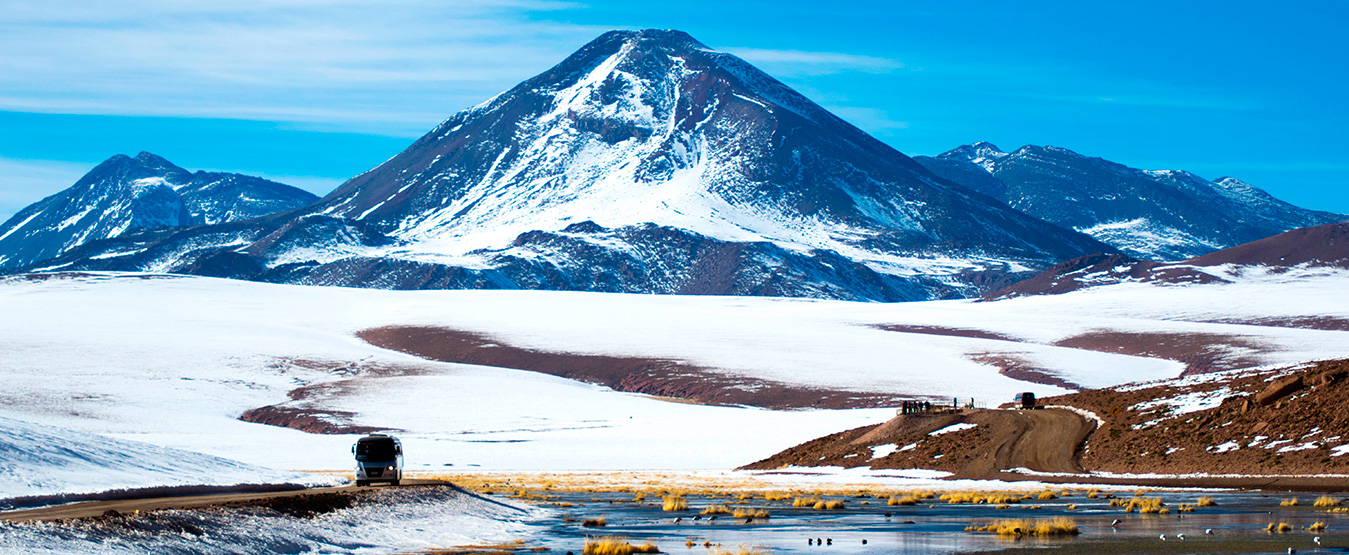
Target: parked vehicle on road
1025, 400
379, 458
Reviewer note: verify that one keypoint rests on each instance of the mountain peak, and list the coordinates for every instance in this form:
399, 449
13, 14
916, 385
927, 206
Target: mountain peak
985, 146
662, 38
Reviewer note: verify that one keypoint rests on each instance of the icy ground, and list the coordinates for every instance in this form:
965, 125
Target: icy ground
387, 521
173, 361
42, 460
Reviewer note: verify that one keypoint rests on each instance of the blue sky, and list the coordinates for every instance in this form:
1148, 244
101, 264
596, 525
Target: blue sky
311, 92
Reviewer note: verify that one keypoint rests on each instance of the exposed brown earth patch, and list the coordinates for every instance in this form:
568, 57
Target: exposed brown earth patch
307, 410
1200, 352
650, 376
1322, 245
1326, 323
1021, 369
1000, 440
1270, 429
1298, 415
311, 420
949, 332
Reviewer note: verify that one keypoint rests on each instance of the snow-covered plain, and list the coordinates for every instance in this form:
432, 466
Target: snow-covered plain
42, 461
173, 361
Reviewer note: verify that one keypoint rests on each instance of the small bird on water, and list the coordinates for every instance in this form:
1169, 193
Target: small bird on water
1162, 537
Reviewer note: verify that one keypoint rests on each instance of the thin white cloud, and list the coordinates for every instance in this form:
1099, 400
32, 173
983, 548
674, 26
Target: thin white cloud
802, 63
292, 60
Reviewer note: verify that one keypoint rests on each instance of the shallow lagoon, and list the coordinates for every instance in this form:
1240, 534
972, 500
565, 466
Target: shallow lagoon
1238, 523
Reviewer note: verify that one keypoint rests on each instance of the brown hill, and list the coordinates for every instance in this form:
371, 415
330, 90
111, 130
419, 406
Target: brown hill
1262, 422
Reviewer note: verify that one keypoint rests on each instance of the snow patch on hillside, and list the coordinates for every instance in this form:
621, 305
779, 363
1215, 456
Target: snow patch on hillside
45, 460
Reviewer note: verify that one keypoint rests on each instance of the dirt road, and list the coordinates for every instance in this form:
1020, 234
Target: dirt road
1049, 443
283, 500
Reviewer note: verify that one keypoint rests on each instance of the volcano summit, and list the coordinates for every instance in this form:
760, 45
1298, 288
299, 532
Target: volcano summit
644, 162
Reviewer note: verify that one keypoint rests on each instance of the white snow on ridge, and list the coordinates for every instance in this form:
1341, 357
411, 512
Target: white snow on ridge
43, 460
953, 428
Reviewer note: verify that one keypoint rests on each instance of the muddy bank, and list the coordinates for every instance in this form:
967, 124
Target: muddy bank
651, 376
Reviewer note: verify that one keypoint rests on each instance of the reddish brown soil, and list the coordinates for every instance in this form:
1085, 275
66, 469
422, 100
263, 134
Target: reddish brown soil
651, 376
1126, 444
1328, 323
1043, 440
305, 411
1021, 369
1200, 352
314, 421
1326, 245
949, 332
1288, 407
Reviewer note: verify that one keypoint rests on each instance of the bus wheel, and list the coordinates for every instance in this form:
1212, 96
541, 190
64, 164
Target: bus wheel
394, 482
362, 483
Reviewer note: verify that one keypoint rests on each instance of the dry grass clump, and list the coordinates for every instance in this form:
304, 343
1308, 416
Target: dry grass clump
1017, 527
594, 522
1280, 528
896, 500
807, 501
829, 505
776, 496
1206, 501
1339, 510
982, 497
1047, 495
1185, 508
1317, 526
616, 545
1093, 493
1144, 505
675, 503
716, 510
750, 513
1003, 506
1290, 502
1326, 501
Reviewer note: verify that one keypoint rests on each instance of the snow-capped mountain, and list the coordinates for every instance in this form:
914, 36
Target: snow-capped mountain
644, 162
1161, 214
125, 194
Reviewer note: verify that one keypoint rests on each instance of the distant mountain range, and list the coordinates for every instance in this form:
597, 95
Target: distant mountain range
1162, 215
647, 162
1323, 246
124, 195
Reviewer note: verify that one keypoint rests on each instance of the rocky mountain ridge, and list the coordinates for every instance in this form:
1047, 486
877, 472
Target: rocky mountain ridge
644, 162
125, 195
1150, 214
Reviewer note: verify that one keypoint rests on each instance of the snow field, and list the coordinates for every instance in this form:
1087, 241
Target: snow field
173, 362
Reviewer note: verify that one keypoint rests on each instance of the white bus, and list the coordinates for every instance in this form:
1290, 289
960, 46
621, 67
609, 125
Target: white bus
379, 458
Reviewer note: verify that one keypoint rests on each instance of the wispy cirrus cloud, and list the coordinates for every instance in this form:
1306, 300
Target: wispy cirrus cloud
399, 62
790, 63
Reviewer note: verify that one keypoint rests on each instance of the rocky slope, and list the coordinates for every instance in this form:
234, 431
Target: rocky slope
644, 162
124, 195
1261, 421
1323, 246
1161, 215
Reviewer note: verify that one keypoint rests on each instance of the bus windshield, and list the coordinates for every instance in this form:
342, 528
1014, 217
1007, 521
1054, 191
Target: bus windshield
375, 450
